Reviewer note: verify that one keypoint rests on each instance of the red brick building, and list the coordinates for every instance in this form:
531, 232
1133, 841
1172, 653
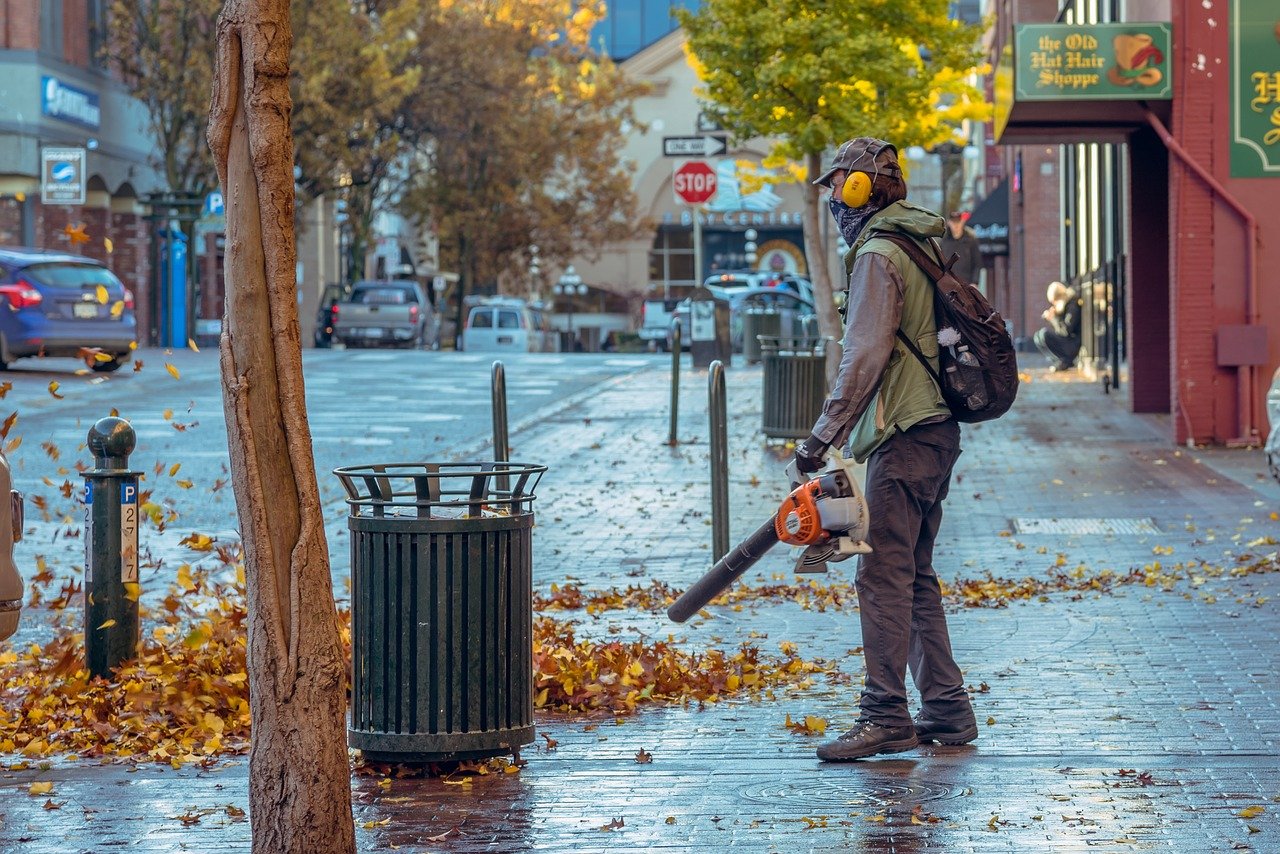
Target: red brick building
58, 93
1143, 139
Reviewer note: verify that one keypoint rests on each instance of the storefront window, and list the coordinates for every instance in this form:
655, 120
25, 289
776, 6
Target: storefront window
671, 259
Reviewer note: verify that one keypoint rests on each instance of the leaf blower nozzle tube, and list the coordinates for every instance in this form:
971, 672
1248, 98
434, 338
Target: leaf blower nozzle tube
726, 571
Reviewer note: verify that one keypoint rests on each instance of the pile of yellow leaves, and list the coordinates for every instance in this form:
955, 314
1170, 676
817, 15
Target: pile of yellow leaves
572, 674
185, 699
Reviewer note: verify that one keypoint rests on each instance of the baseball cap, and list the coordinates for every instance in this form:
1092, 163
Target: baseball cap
864, 154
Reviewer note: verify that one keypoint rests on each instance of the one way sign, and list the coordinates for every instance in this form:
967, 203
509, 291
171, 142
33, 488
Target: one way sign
693, 146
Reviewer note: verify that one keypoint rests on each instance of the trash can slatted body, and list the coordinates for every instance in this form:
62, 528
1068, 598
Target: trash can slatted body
795, 385
442, 626
757, 322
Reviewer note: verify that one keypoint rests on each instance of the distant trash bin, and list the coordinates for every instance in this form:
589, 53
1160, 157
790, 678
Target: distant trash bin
441, 609
795, 385
757, 321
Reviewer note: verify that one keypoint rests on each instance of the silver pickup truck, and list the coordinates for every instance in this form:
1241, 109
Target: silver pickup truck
386, 314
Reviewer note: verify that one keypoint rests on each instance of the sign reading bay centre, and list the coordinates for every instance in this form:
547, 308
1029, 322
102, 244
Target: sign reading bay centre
1255, 89
1092, 62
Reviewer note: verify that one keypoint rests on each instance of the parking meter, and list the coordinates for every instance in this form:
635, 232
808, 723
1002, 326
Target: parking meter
708, 329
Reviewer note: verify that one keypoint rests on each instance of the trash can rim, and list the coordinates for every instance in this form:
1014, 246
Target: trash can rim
434, 488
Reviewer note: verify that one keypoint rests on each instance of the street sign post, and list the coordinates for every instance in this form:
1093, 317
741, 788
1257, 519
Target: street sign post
694, 183
694, 146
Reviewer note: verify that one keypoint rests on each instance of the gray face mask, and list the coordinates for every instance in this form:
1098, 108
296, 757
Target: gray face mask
849, 220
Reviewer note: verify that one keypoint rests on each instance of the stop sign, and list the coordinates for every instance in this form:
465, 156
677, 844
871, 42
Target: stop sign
694, 182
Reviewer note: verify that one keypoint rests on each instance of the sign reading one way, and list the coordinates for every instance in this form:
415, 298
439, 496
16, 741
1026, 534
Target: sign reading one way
693, 146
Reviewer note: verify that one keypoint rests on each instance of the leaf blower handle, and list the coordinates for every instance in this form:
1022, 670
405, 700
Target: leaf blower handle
726, 571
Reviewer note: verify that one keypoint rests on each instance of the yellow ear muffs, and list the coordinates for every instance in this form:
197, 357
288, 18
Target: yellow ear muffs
857, 189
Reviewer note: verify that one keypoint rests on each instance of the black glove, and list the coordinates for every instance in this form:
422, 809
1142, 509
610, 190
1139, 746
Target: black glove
809, 455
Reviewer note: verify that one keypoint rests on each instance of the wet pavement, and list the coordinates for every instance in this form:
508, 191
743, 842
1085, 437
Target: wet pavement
1135, 719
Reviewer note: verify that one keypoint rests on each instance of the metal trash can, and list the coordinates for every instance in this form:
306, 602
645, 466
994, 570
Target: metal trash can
757, 321
441, 609
795, 385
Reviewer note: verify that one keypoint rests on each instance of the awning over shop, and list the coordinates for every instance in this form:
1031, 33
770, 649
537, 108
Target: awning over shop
1081, 82
990, 221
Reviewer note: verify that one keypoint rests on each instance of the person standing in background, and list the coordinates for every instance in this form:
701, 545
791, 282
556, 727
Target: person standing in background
960, 240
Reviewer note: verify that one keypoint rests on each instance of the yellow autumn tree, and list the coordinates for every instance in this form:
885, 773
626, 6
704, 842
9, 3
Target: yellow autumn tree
813, 75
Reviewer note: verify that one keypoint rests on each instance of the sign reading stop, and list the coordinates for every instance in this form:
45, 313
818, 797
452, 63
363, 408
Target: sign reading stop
694, 182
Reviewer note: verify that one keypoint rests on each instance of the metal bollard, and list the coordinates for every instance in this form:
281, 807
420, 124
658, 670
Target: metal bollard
719, 418
501, 441
675, 384
111, 632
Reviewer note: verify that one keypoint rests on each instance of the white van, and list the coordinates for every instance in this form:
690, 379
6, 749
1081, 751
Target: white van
504, 325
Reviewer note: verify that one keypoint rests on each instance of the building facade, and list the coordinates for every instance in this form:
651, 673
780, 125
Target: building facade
58, 99
1159, 118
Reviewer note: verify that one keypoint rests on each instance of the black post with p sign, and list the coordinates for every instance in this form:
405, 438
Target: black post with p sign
111, 630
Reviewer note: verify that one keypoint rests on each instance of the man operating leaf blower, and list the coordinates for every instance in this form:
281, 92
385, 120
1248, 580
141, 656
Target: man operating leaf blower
889, 410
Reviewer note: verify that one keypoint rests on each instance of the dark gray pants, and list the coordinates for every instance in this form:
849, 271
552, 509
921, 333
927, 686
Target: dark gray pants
899, 598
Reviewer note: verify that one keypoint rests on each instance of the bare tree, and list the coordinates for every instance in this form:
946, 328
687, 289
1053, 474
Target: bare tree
299, 779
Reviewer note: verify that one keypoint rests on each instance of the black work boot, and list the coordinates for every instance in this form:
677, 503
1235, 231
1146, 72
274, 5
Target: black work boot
868, 739
952, 734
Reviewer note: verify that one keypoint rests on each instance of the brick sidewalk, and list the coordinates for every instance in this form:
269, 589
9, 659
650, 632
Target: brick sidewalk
1176, 689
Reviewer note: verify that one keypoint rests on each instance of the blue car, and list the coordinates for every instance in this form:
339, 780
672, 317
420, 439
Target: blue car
63, 305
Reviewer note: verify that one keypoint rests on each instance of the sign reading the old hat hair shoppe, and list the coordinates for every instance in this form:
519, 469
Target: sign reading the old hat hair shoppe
1255, 89
1092, 62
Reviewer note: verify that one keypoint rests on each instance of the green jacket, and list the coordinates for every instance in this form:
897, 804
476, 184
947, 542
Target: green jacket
881, 387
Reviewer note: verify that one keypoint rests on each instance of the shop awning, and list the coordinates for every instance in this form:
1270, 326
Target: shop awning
1061, 83
990, 221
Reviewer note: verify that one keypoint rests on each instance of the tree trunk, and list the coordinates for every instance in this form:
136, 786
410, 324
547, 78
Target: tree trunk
829, 325
299, 779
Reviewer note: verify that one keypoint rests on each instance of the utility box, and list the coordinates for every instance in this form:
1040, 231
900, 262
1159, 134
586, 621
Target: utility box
709, 338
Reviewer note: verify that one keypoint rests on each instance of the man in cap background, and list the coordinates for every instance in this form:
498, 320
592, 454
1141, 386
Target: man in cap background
891, 414
961, 241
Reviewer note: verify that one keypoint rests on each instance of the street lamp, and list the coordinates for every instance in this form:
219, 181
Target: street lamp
570, 285
534, 271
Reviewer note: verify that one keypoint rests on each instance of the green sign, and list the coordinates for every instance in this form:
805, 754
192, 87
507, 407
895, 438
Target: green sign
1255, 89
1092, 62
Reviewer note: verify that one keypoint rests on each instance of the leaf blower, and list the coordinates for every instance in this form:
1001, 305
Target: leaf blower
826, 514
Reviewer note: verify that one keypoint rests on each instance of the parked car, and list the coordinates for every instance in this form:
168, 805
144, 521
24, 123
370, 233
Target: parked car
655, 314
394, 313
736, 280
64, 305
798, 315
503, 323
327, 313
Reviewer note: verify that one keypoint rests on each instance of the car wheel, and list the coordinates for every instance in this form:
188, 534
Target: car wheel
108, 367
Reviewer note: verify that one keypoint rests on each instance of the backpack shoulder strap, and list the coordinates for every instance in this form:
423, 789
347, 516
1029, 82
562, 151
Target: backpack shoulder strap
932, 267
934, 272
915, 351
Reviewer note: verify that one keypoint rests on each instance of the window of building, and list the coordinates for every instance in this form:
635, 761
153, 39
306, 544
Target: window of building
51, 27
630, 26
671, 258
97, 33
